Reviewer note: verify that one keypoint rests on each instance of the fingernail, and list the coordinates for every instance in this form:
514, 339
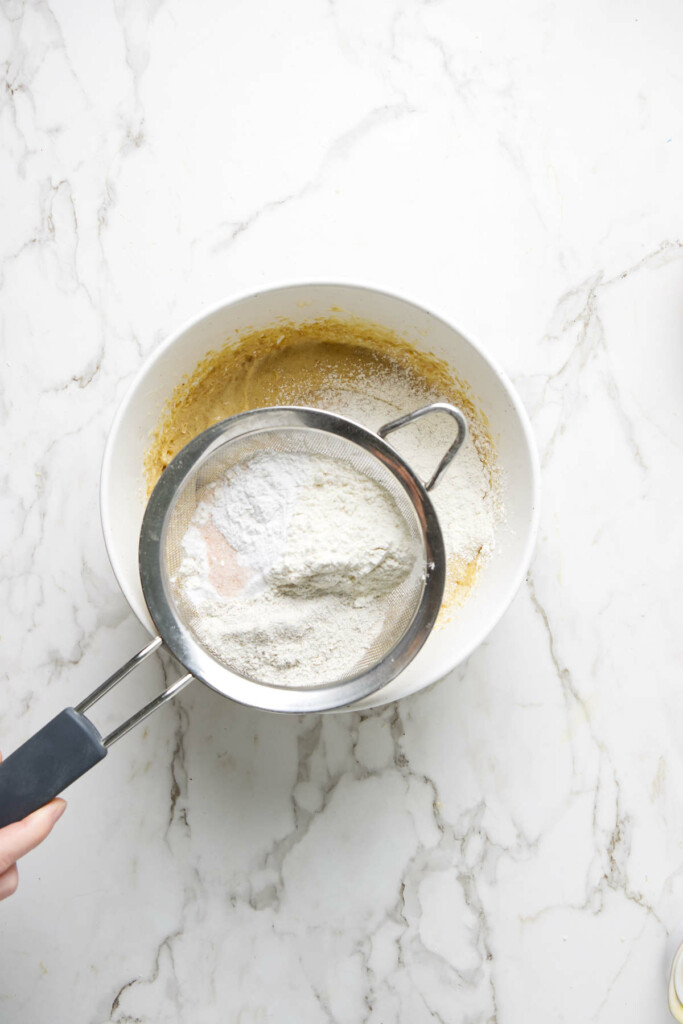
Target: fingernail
58, 810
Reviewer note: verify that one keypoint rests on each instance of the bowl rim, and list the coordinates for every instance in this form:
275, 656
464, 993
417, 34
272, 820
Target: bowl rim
506, 595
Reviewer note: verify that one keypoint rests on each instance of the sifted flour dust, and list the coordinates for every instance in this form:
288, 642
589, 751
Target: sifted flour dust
466, 499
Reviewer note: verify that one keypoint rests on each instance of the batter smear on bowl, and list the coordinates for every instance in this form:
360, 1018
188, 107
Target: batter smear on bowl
363, 371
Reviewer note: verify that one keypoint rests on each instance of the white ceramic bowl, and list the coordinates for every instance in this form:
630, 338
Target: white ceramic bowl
122, 492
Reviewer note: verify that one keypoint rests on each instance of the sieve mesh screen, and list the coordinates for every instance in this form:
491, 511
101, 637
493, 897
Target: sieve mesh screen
400, 605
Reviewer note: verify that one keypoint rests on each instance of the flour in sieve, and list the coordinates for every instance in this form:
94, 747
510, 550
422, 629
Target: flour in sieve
288, 565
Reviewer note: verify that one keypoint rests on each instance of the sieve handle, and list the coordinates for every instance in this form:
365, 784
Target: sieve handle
58, 754
68, 747
460, 439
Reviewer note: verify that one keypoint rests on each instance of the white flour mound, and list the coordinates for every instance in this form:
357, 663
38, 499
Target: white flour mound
288, 565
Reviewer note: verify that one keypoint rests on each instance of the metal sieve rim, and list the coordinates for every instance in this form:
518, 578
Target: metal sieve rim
177, 636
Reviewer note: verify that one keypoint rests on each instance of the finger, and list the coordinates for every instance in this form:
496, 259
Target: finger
9, 882
22, 836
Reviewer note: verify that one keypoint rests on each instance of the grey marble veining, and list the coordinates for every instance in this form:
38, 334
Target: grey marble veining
507, 846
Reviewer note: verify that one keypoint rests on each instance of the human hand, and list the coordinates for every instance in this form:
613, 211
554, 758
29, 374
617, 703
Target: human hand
22, 836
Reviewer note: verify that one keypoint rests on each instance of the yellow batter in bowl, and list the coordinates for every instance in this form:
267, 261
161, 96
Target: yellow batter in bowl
356, 369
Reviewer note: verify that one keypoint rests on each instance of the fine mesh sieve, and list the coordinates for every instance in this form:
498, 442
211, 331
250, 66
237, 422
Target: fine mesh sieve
411, 608
398, 607
69, 745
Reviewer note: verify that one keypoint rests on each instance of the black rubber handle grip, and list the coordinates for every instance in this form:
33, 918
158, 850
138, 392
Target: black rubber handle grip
47, 763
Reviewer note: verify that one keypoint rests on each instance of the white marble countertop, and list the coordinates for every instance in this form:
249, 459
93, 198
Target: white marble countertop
508, 846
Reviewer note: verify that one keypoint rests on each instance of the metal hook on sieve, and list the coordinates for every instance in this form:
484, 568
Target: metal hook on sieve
410, 417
